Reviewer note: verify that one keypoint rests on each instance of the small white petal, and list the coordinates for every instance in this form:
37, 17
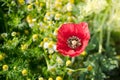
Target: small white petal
45, 45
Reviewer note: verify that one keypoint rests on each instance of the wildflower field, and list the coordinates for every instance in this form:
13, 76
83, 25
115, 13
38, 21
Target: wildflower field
59, 39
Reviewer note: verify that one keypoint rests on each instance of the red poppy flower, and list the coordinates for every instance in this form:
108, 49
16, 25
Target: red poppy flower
72, 39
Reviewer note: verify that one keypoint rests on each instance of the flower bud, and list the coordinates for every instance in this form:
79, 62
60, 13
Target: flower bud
37, 2
50, 78
40, 78
84, 53
21, 2
24, 47
4, 35
1, 57
26, 32
89, 68
68, 63
70, 18
14, 67
35, 37
45, 39
24, 72
13, 34
29, 7
59, 78
5, 67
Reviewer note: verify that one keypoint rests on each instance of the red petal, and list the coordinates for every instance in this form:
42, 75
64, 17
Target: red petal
84, 29
68, 30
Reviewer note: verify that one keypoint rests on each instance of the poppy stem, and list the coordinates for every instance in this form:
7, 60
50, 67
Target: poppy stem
80, 69
101, 31
108, 36
73, 59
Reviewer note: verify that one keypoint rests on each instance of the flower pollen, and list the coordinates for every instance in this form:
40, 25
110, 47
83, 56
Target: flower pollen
73, 42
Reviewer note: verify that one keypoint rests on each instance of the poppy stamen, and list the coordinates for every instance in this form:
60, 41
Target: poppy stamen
73, 42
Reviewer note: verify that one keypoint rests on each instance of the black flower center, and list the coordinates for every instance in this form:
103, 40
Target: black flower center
73, 42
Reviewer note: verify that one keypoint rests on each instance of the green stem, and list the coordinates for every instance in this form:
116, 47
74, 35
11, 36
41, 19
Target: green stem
101, 31
108, 37
101, 40
80, 69
73, 59
108, 28
46, 58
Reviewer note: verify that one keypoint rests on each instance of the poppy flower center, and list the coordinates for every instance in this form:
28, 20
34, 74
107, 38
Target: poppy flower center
73, 42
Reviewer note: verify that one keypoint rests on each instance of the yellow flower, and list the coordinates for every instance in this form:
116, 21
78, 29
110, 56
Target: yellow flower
21, 2
58, 3
59, 0
29, 6
69, 13
48, 14
45, 19
24, 47
68, 63
71, 1
41, 4
70, 18
28, 79
50, 78
50, 23
41, 44
5, 67
89, 68
14, 67
29, 19
69, 7
55, 31
35, 37
1, 57
84, 53
59, 78
50, 45
118, 57
24, 72
26, 32
50, 56
50, 35
36, 2
40, 78
45, 39
57, 16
